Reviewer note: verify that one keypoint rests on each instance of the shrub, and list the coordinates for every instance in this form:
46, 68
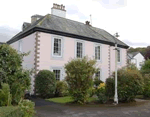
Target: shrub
11, 69
145, 69
97, 82
45, 83
27, 108
61, 88
102, 98
130, 82
10, 111
92, 91
79, 78
5, 96
146, 87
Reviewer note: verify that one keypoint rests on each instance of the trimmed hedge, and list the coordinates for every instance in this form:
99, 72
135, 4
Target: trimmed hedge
10, 111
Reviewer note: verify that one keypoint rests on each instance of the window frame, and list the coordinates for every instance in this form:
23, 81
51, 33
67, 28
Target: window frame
96, 45
83, 48
59, 74
62, 75
53, 38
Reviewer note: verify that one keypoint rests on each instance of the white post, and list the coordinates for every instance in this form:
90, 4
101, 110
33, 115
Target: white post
116, 61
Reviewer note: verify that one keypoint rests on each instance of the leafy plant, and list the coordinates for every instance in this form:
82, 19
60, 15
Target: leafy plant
102, 98
61, 88
5, 96
145, 69
27, 108
97, 82
146, 87
79, 78
45, 83
11, 69
130, 83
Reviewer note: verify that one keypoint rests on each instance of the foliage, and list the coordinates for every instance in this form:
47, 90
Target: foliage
27, 108
61, 88
147, 53
10, 111
97, 81
145, 69
45, 83
5, 96
130, 82
146, 87
102, 98
79, 78
109, 86
92, 91
131, 66
12, 71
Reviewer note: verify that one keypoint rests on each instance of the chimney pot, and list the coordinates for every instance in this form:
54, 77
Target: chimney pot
87, 23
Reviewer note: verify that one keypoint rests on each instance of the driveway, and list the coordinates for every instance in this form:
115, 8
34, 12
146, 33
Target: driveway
141, 108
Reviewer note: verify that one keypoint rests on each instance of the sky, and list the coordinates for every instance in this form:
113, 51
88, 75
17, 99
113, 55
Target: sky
130, 18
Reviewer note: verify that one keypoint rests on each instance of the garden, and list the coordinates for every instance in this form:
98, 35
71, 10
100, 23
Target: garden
81, 87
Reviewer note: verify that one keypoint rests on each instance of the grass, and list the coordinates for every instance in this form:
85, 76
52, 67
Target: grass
67, 99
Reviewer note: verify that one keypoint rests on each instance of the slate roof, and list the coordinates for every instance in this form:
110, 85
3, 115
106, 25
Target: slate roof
132, 54
66, 27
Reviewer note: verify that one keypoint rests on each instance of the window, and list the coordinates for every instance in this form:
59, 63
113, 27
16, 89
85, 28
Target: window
118, 52
97, 52
98, 75
57, 74
57, 47
79, 51
20, 46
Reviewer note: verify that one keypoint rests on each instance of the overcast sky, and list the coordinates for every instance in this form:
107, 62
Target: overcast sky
130, 18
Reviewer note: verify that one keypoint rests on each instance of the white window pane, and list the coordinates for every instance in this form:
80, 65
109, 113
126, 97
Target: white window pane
79, 50
57, 47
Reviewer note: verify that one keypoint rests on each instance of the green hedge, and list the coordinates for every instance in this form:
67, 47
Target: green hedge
10, 111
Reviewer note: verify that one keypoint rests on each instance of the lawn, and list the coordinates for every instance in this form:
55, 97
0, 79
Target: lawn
67, 99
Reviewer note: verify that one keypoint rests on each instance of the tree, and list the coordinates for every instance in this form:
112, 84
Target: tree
147, 53
80, 78
12, 72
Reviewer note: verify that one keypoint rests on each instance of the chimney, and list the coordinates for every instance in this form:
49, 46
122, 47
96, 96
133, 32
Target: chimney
58, 10
87, 23
34, 18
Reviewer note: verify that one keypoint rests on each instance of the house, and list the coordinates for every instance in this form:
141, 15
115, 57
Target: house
53, 40
137, 58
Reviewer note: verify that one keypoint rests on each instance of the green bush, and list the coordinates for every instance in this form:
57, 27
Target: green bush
79, 78
92, 91
61, 89
110, 84
27, 108
11, 70
100, 92
97, 82
10, 111
5, 96
45, 83
130, 83
145, 69
146, 87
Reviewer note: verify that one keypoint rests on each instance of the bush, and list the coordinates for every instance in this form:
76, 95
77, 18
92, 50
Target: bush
145, 69
27, 108
11, 69
45, 83
97, 82
79, 78
92, 91
146, 87
100, 92
130, 82
10, 111
61, 88
5, 96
